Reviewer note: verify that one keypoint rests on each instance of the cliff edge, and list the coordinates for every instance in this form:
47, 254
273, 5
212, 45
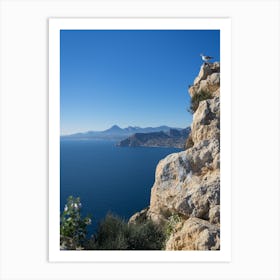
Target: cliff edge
187, 184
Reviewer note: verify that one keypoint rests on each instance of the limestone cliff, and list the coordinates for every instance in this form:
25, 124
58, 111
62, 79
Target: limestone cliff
187, 184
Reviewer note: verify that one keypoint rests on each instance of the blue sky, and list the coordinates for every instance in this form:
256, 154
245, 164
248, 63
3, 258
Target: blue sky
129, 77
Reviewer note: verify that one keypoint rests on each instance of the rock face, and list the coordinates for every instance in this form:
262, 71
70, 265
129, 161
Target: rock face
171, 138
208, 79
195, 234
139, 217
188, 183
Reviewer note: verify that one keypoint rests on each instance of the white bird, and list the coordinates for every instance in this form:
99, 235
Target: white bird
206, 58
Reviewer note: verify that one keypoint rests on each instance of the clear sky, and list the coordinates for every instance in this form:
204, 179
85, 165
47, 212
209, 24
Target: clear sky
129, 77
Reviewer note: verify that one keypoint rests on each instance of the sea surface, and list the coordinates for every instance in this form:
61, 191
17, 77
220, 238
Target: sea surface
108, 178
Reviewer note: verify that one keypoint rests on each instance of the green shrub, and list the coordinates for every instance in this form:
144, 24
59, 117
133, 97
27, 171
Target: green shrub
111, 234
197, 97
145, 236
115, 234
73, 228
173, 220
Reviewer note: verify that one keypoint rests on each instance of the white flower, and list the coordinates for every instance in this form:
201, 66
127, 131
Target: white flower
65, 208
76, 206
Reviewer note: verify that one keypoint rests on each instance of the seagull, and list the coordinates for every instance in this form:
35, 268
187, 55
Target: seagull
206, 58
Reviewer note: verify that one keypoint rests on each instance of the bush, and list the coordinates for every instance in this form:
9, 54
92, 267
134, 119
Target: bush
173, 220
146, 236
111, 234
73, 228
197, 97
115, 234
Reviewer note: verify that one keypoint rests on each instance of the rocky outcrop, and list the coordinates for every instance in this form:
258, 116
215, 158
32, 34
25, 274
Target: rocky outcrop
139, 217
188, 183
194, 234
207, 80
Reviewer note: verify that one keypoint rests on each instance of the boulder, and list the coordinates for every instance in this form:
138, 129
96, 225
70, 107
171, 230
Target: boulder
208, 79
211, 84
195, 234
139, 217
206, 121
186, 184
206, 70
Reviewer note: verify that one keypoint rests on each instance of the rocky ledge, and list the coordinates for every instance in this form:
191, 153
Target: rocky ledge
187, 184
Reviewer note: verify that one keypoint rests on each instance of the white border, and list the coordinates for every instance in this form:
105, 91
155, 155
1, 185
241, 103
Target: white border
55, 25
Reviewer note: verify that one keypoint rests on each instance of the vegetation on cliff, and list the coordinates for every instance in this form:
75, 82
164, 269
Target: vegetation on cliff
197, 98
113, 233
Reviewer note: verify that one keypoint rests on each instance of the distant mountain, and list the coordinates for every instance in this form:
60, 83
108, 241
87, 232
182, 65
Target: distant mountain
117, 133
115, 129
171, 138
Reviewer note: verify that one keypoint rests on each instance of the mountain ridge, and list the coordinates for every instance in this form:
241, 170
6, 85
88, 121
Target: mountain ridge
115, 132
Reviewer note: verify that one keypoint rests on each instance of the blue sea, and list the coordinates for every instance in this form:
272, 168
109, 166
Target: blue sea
108, 178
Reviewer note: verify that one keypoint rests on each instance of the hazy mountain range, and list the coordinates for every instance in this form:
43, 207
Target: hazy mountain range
117, 133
